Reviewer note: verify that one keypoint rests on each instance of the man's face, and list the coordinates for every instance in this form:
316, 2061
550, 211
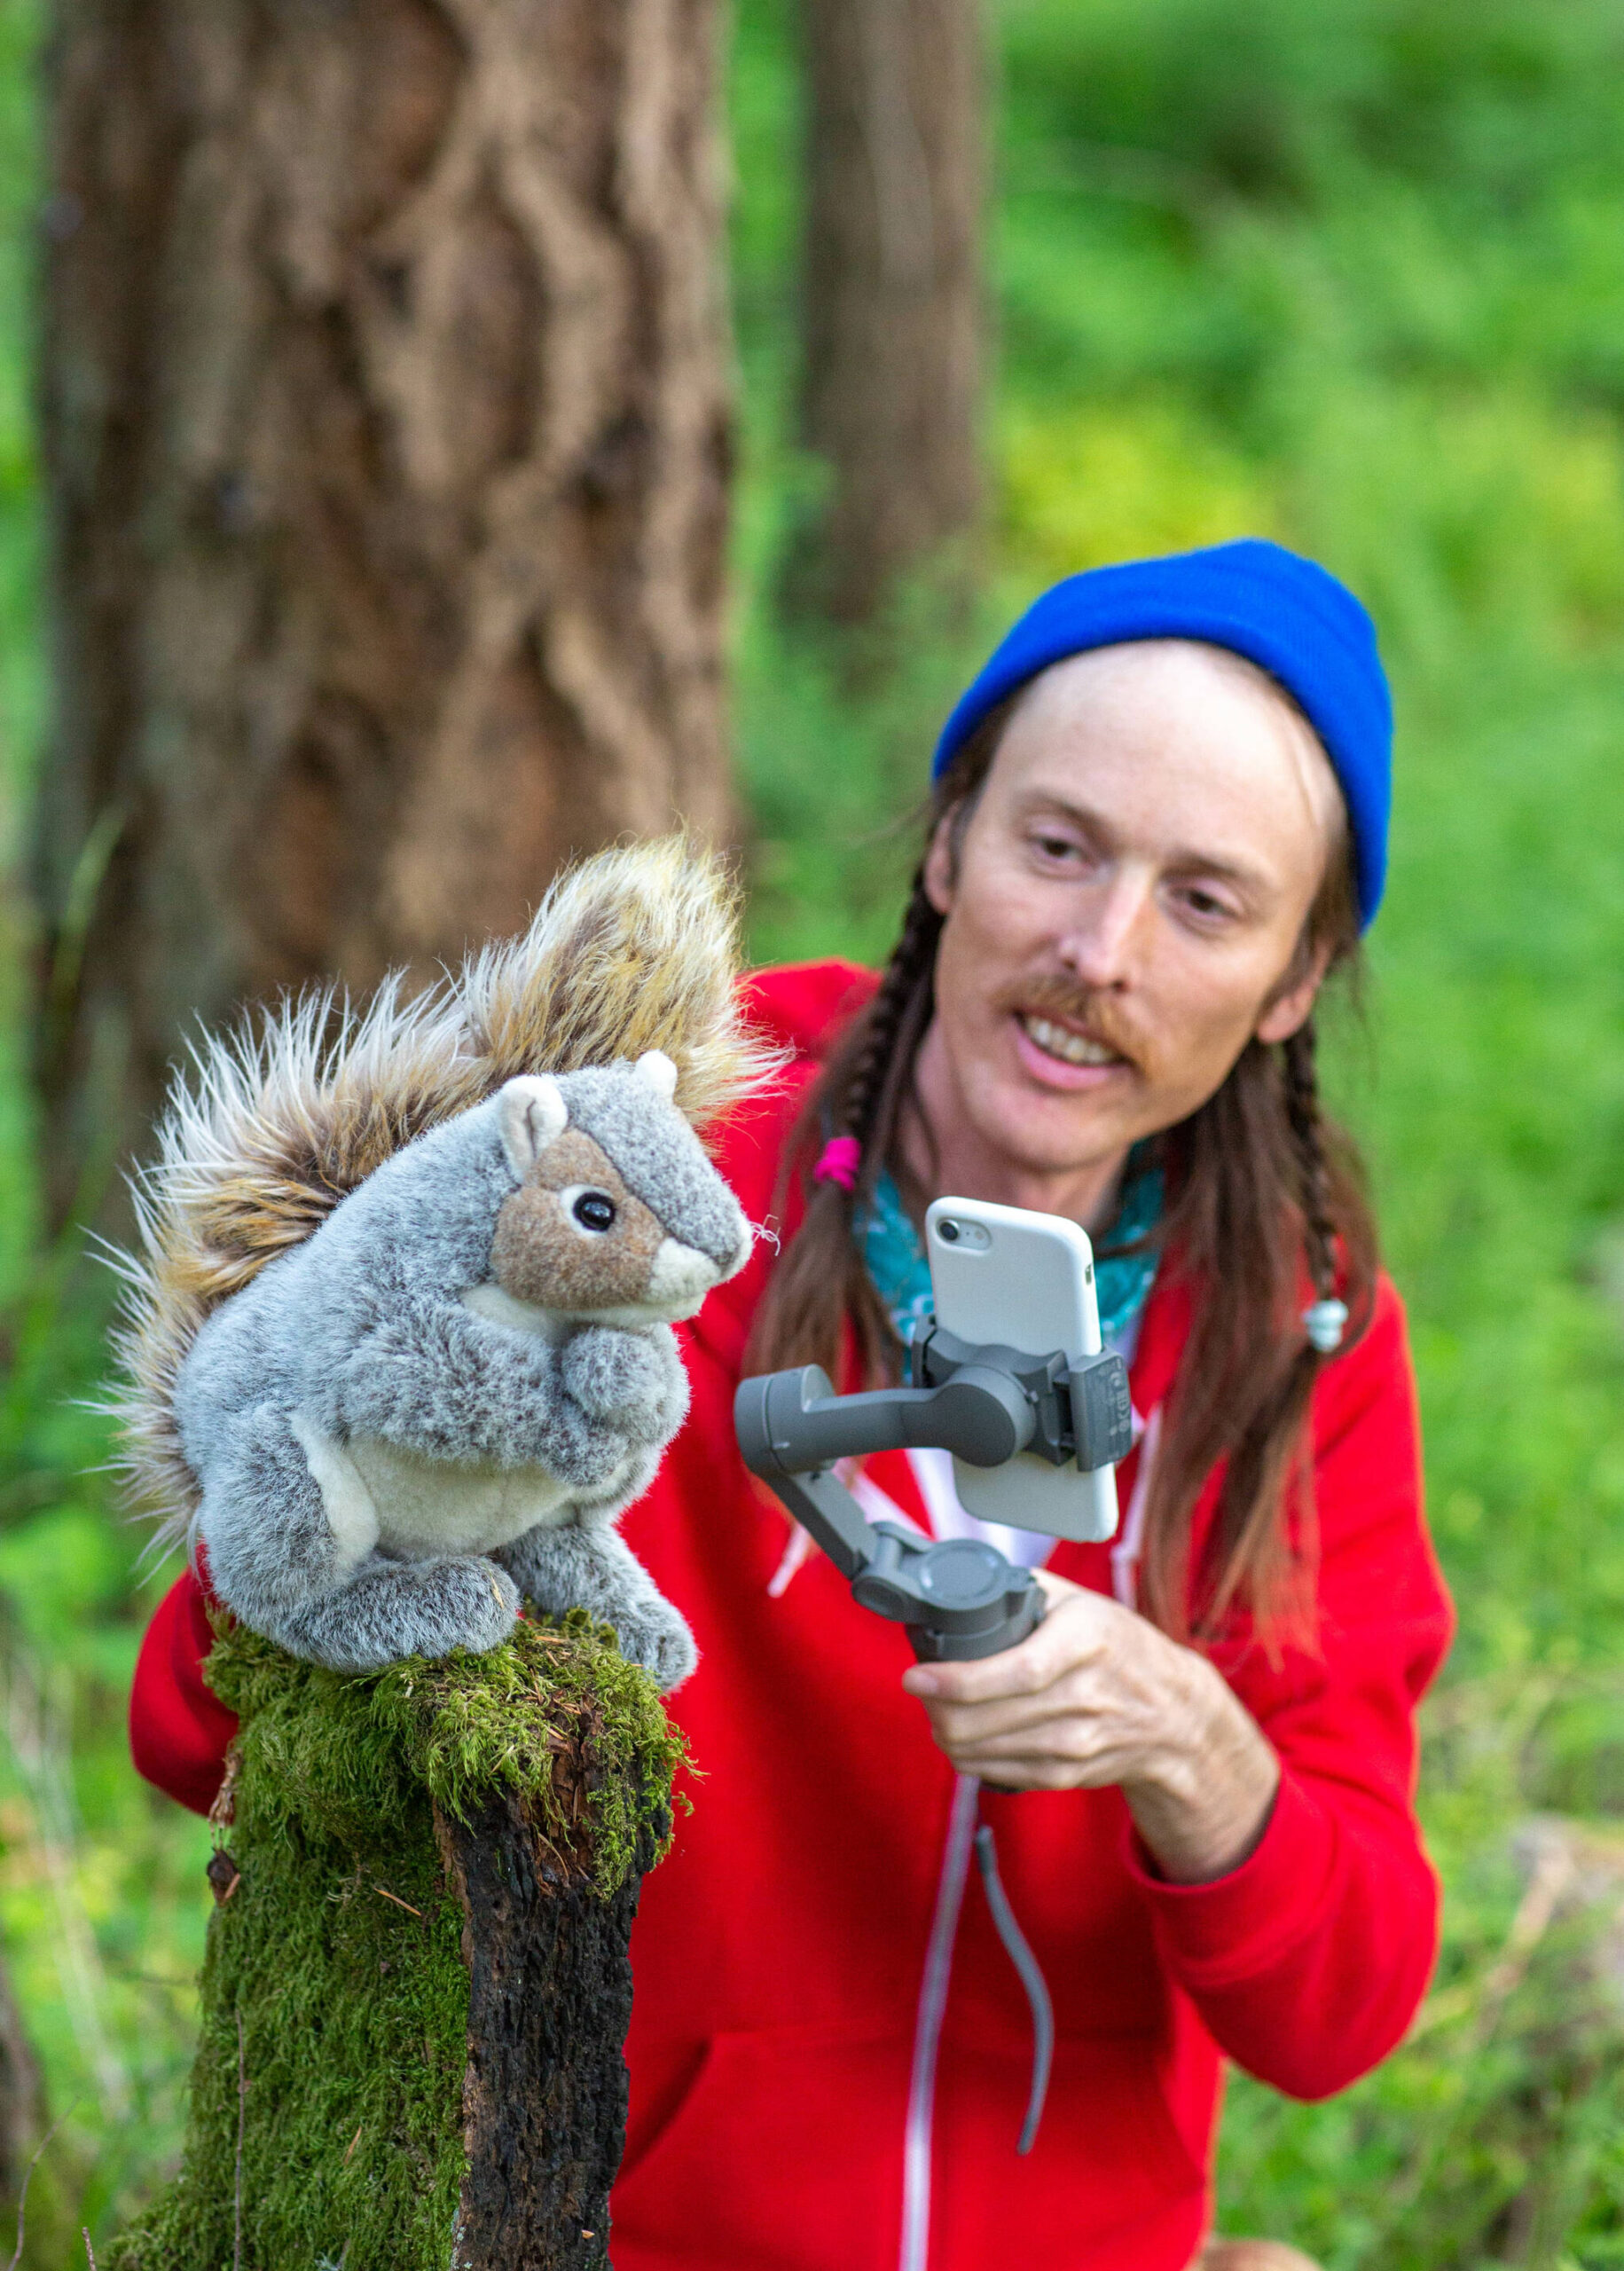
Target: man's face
1127, 898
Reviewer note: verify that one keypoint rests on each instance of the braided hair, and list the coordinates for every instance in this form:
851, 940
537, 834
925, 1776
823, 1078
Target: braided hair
1326, 1319
888, 1037
851, 1127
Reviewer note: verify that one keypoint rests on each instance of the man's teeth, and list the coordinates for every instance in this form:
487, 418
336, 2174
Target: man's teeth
1054, 1040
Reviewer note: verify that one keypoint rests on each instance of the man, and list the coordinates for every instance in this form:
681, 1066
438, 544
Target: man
1160, 823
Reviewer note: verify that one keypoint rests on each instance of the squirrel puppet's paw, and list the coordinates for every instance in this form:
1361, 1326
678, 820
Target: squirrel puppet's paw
589, 1567
403, 1608
656, 1636
632, 1381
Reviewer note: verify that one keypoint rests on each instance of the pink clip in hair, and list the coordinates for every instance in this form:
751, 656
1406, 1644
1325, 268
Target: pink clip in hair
839, 1161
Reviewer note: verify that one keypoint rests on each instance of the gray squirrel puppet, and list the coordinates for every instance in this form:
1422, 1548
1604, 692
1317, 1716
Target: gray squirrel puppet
398, 1348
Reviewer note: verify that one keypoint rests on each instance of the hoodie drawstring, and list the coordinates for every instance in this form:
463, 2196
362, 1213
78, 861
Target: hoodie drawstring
1020, 1954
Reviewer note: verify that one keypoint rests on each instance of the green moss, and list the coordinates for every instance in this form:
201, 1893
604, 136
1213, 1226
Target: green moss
350, 1758
334, 1995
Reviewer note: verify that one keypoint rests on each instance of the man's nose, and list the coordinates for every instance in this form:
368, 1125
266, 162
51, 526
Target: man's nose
1101, 946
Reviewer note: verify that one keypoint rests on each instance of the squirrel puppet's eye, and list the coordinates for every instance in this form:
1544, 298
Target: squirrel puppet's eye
593, 1210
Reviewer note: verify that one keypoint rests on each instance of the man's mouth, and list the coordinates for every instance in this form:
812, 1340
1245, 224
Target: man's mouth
1069, 1048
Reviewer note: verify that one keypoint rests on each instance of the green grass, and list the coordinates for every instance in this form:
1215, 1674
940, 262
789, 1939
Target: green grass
1352, 274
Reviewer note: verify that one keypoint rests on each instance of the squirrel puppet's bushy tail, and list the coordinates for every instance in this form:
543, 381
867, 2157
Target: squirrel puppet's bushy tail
272, 1124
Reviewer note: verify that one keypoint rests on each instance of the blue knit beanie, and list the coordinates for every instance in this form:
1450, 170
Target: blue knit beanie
1282, 612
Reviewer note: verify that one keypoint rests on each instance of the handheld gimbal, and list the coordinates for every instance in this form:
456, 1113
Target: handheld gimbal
958, 1597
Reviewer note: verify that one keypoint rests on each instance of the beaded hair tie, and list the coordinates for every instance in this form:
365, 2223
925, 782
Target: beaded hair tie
840, 1162
1325, 1322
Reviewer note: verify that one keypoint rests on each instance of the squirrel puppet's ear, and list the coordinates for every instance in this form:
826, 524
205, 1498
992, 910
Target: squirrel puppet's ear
654, 1066
531, 1113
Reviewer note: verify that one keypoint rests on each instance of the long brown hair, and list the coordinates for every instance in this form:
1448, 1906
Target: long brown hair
1265, 1195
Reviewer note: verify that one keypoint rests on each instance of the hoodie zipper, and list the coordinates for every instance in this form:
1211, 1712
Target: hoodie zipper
928, 2025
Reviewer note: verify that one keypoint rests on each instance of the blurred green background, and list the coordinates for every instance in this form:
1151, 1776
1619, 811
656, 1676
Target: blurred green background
1349, 273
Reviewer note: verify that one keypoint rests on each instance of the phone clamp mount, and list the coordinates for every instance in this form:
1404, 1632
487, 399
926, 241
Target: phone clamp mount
958, 1597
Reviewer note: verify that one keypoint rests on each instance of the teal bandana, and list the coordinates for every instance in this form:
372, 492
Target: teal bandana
896, 1261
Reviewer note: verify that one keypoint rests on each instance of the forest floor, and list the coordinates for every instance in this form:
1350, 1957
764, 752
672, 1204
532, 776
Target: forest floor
1353, 275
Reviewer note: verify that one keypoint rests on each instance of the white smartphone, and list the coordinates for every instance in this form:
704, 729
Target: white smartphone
1005, 1278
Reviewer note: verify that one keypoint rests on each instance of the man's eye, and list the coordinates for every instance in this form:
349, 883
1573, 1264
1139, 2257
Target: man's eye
1203, 904
593, 1210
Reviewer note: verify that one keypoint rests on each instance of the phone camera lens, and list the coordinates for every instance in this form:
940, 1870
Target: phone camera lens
948, 1231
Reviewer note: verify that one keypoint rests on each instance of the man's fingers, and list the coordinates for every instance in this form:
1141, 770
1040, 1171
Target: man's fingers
1075, 1630
1079, 1736
1021, 1774
1023, 1670
1005, 1715
1063, 1765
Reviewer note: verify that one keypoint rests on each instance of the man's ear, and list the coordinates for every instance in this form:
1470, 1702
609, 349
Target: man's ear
941, 863
1287, 1012
531, 1113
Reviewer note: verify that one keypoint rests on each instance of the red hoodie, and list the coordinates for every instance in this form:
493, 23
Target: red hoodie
829, 2051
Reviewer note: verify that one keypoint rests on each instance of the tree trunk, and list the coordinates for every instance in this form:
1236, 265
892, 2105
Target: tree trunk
893, 292
417, 1983
550, 2000
388, 442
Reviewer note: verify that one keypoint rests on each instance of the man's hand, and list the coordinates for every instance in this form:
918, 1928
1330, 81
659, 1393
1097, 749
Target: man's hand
1096, 1696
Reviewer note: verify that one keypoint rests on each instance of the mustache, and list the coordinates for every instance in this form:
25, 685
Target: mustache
1058, 996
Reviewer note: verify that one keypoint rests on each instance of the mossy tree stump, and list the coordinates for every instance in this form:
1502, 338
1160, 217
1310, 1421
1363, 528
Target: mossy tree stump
417, 1986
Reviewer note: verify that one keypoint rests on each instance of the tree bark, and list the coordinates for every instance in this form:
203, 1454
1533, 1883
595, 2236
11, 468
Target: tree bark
550, 2000
388, 441
893, 291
